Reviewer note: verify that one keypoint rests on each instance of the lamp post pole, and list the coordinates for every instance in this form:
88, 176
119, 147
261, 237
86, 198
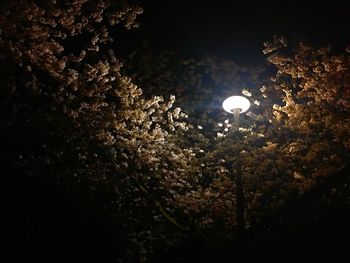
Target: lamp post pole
236, 113
237, 171
237, 105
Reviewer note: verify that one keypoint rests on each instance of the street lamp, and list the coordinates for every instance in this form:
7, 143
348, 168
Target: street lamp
237, 105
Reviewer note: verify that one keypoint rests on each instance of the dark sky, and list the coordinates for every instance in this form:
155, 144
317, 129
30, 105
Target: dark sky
236, 29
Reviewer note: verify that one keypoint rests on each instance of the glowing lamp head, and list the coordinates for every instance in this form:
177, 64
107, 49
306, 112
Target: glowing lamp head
236, 103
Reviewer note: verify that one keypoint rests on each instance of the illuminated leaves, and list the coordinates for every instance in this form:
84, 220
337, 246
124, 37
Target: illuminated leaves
278, 42
313, 108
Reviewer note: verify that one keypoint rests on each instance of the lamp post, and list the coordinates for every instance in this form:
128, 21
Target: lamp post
237, 105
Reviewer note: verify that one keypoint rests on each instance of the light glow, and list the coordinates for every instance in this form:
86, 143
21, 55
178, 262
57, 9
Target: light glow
236, 102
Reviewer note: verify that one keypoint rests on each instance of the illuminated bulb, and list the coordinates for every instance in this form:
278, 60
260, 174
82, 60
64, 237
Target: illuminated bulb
233, 103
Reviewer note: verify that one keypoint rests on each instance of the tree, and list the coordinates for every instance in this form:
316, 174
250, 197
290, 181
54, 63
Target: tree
315, 87
280, 157
86, 123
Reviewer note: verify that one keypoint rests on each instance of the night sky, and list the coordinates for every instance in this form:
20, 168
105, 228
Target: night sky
237, 29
